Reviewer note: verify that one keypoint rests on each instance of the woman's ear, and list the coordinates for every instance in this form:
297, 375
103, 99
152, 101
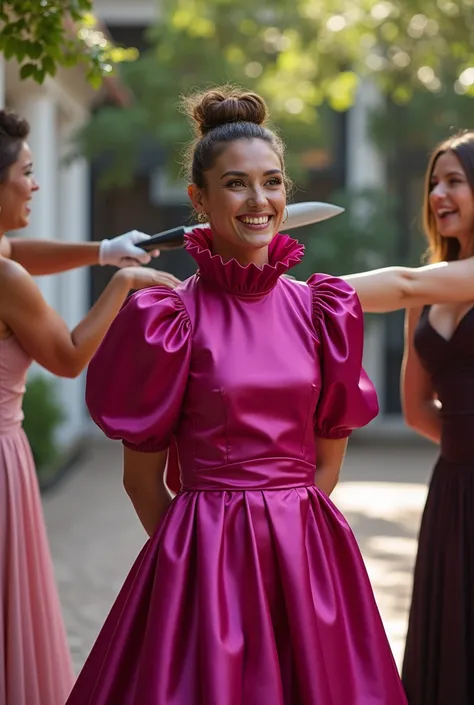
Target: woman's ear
196, 197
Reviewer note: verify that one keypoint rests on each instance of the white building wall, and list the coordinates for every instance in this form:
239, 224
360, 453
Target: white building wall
60, 208
365, 169
39, 108
72, 287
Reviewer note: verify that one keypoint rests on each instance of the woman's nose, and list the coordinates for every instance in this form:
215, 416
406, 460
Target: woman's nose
438, 191
258, 198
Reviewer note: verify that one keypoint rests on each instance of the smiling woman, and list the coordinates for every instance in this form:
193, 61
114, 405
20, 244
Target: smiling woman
241, 190
449, 203
251, 589
35, 666
438, 402
16, 174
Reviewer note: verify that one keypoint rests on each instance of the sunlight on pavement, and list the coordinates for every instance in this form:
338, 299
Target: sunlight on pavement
385, 517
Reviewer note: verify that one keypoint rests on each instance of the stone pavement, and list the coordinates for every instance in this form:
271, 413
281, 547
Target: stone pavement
95, 535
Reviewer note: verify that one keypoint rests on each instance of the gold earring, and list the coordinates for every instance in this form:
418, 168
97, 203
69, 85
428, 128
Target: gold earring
286, 215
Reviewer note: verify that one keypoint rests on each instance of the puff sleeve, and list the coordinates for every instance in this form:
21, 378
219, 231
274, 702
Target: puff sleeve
348, 399
137, 379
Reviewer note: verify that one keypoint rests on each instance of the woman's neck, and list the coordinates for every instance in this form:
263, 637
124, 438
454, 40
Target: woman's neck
466, 248
243, 256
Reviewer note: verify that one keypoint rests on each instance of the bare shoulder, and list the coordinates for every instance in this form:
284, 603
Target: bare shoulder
15, 283
12, 273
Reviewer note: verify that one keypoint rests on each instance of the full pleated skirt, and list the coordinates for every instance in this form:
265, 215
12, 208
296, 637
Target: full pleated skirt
35, 665
438, 666
244, 598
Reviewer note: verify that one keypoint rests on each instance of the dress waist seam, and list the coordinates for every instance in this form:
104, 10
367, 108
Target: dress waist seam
280, 488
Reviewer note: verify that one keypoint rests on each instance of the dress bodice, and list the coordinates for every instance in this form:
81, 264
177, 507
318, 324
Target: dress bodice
14, 364
252, 393
450, 365
241, 367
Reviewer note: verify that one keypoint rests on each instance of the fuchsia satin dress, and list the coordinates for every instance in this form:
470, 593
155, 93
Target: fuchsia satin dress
252, 590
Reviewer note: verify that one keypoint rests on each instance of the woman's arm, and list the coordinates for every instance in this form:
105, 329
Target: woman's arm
329, 458
143, 481
419, 404
392, 288
42, 332
41, 257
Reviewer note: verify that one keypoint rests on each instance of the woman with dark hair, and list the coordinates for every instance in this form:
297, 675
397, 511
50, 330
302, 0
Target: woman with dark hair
251, 589
35, 666
438, 402
46, 256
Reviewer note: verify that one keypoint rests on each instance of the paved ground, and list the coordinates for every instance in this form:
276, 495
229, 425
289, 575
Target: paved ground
95, 535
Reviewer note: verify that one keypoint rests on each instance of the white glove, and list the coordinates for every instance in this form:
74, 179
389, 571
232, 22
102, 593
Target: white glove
122, 251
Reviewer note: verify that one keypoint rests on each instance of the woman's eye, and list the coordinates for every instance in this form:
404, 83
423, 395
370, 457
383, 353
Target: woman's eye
236, 182
275, 181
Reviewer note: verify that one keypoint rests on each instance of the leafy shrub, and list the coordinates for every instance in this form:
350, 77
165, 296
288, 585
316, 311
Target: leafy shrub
43, 415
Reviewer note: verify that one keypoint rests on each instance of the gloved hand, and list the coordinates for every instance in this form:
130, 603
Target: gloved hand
122, 251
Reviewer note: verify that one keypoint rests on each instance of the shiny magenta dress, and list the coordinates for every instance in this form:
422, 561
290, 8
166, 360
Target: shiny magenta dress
252, 590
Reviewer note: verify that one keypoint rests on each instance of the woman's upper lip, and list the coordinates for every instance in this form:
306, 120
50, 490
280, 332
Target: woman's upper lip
254, 215
445, 209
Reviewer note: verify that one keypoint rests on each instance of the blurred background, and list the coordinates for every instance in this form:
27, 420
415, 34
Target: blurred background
361, 90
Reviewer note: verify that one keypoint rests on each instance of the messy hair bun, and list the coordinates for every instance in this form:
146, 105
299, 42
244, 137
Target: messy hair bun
223, 115
223, 106
13, 131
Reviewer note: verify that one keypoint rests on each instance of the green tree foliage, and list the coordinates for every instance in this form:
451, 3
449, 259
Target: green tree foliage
45, 34
300, 54
361, 238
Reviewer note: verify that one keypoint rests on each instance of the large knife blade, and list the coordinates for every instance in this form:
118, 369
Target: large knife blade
299, 215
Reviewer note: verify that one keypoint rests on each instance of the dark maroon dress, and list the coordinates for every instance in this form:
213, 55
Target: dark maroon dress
438, 668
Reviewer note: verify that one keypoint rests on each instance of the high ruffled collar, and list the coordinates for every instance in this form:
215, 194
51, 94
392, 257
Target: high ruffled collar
284, 252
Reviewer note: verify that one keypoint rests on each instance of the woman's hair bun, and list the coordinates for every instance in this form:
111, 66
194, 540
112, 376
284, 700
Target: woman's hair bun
13, 126
224, 105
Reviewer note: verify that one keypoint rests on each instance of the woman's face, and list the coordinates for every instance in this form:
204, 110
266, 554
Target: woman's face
16, 192
451, 199
244, 200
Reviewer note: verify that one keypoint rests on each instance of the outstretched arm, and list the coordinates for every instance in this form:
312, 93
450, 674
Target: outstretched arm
392, 288
41, 257
42, 332
419, 404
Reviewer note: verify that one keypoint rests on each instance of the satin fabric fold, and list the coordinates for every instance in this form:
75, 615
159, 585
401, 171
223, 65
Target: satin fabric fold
252, 590
225, 605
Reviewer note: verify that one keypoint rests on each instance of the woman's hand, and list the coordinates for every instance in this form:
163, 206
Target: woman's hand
122, 251
45, 336
143, 277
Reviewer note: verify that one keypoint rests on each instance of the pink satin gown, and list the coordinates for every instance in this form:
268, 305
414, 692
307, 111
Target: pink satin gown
252, 590
35, 665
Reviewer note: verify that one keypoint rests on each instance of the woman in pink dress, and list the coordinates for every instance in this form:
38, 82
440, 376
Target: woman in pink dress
35, 666
251, 589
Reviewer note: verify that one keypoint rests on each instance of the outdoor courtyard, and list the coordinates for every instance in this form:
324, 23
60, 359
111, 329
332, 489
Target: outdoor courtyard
95, 534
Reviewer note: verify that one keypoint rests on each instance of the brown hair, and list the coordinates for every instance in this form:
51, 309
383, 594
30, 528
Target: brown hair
222, 115
440, 248
13, 132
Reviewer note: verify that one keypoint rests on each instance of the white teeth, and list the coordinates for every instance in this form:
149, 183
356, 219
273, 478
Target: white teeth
262, 220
